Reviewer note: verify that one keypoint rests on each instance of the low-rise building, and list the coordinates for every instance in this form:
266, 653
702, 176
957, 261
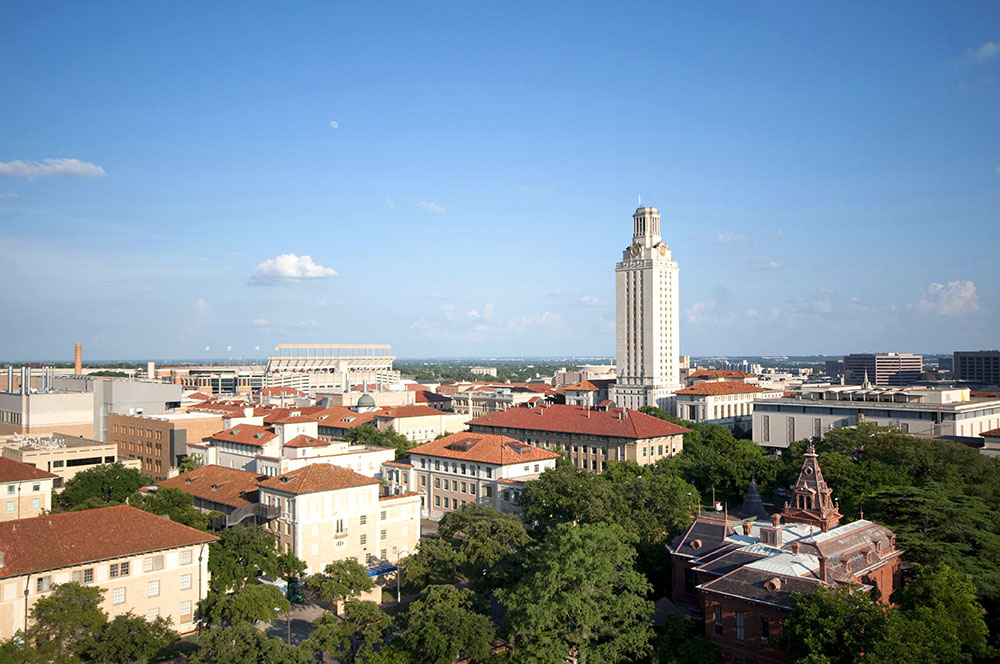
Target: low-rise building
729, 403
918, 411
741, 577
160, 440
25, 491
63, 455
590, 393
419, 424
328, 513
480, 399
468, 467
589, 437
33, 413
148, 565
228, 490
991, 443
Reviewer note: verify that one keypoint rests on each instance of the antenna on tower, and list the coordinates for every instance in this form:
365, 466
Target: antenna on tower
640, 199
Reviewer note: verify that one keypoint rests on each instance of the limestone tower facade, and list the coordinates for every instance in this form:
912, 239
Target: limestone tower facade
646, 338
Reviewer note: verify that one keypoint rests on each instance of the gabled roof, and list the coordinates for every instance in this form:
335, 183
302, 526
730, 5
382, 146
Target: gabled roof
613, 422
342, 417
56, 541
316, 477
280, 415
721, 387
246, 434
303, 440
583, 386
15, 471
426, 396
281, 392
761, 586
704, 535
218, 484
992, 433
407, 411
483, 448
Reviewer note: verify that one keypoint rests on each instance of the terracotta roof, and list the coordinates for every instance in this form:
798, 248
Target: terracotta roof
281, 392
426, 396
246, 434
317, 477
584, 386
227, 486
303, 440
198, 396
293, 419
334, 417
720, 373
285, 415
15, 471
483, 448
407, 411
992, 433
581, 419
55, 541
721, 387
397, 464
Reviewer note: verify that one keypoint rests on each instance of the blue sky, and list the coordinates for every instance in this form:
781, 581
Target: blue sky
462, 175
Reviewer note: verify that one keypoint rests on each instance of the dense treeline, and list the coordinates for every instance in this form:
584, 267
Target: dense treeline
506, 372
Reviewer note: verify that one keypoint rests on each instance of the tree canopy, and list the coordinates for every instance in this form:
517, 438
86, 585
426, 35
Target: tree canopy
100, 486
241, 555
442, 625
341, 579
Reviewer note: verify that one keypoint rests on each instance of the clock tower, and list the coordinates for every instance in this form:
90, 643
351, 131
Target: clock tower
646, 345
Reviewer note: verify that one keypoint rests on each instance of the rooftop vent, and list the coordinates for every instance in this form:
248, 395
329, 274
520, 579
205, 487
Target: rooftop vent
259, 434
235, 432
773, 585
463, 445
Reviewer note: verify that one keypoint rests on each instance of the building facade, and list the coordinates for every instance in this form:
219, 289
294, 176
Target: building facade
25, 491
646, 306
61, 455
419, 424
883, 368
931, 413
146, 564
981, 366
467, 468
328, 513
729, 403
159, 441
588, 437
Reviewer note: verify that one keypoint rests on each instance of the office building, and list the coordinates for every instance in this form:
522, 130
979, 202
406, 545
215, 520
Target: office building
883, 368
981, 366
159, 441
646, 305
729, 403
146, 564
62, 455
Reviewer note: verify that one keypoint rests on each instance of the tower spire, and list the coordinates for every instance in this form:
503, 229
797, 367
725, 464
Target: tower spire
811, 497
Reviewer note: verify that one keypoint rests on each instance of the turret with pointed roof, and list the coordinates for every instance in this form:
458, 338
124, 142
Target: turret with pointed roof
753, 506
811, 502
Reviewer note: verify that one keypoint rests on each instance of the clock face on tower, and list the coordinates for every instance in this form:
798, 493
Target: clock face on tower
634, 250
663, 250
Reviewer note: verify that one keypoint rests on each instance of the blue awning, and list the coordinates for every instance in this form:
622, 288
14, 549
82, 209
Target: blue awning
381, 568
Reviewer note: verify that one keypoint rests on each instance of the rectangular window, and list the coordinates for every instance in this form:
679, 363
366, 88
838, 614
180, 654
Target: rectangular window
437, 501
790, 424
437, 482
364, 539
185, 609
384, 515
153, 563
382, 554
35, 488
437, 465
767, 429
489, 491
717, 622
11, 489
739, 626
464, 487
84, 576
817, 427
447, 502
36, 503
381, 535
152, 614
185, 581
765, 631
43, 583
489, 473
339, 527
118, 596
11, 506
423, 480
185, 557
153, 589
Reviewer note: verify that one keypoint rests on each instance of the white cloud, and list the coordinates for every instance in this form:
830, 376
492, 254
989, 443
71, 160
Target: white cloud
728, 238
760, 263
47, 168
987, 51
430, 207
521, 324
200, 311
486, 313
699, 311
10, 194
997, 171
334, 124
389, 203
589, 301
260, 322
288, 269
305, 323
952, 299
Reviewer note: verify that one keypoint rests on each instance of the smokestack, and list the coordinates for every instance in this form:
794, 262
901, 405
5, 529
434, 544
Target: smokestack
822, 569
78, 360
150, 371
10, 378
25, 379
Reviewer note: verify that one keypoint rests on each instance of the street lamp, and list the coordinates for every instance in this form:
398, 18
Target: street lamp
399, 571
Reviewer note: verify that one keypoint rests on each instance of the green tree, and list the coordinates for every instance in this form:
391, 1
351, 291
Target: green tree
107, 484
130, 639
189, 462
833, 626
65, 621
252, 602
580, 593
441, 625
367, 434
566, 494
174, 503
681, 641
290, 567
357, 637
487, 534
241, 555
435, 561
245, 644
341, 579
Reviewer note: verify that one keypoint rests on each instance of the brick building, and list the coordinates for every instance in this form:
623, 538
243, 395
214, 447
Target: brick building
741, 576
589, 437
159, 441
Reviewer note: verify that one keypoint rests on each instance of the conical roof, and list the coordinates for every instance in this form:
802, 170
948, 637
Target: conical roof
753, 506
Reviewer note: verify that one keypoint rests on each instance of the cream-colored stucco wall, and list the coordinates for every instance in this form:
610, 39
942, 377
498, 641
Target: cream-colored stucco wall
25, 498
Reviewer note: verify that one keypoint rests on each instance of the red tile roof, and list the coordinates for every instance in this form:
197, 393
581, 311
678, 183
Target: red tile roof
227, 486
281, 392
198, 396
246, 434
584, 386
15, 471
992, 433
580, 419
303, 440
721, 387
721, 373
483, 448
280, 415
56, 541
426, 396
406, 411
317, 477
334, 417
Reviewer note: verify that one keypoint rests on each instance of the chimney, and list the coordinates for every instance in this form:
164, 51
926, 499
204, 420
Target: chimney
796, 547
78, 360
822, 569
746, 528
775, 520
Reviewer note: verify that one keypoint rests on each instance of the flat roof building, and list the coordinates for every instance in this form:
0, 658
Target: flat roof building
981, 366
883, 368
61, 454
